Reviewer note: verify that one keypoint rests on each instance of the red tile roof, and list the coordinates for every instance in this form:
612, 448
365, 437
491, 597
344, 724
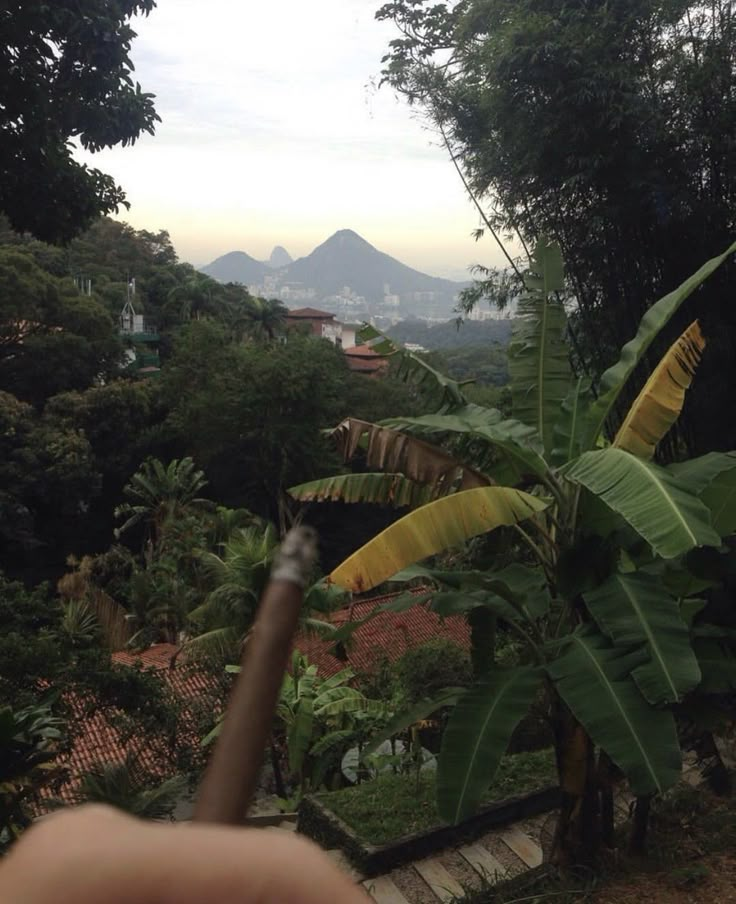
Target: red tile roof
102, 740
390, 633
363, 351
309, 314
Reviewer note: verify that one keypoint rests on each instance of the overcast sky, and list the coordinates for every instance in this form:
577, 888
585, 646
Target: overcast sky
273, 133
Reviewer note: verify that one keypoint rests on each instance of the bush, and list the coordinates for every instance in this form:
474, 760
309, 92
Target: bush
422, 671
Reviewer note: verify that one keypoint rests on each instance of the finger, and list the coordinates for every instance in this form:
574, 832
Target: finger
94, 855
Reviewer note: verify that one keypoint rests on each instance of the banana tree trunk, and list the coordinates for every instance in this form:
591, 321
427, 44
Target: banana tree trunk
577, 833
482, 624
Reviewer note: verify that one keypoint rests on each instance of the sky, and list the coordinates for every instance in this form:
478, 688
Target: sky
274, 132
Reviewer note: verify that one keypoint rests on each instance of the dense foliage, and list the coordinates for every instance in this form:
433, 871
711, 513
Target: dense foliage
607, 126
66, 75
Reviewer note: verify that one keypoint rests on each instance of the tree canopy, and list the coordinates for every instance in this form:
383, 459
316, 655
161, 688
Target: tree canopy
66, 77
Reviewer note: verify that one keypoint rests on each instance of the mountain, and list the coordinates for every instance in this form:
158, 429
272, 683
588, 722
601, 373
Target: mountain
346, 259
237, 266
280, 257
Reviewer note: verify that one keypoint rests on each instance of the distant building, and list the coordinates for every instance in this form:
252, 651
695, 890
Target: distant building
314, 322
140, 338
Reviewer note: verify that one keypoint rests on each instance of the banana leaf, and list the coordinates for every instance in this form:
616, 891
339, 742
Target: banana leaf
390, 450
539, 363
477, 736
518, 446
648, 497
652, 323
570, 423
593, 678
444, 392
435, 527
712, 478
634, 610
423, 709
380, 489
660, 402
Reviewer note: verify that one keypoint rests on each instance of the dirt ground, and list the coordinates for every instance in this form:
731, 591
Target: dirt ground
709, 880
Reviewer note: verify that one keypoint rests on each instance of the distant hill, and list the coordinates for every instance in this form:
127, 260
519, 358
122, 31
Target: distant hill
237, 266
346, 259
280, 257
448, 335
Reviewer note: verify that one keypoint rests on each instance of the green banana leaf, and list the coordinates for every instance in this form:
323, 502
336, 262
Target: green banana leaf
300, 732
571, 421
648, 497
517, 445
712, 478
717, 661
593, 678
652, 323
539, 363
444, 392
435, 527
477, 736
635, 609
381, 489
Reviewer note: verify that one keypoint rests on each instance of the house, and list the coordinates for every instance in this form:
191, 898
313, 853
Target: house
315, 323
360, 358
365, 360
389, 634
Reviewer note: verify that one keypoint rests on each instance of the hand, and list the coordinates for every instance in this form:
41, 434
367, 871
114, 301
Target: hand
95, 855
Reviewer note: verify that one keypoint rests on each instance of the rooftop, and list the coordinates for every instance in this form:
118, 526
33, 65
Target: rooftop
309, 314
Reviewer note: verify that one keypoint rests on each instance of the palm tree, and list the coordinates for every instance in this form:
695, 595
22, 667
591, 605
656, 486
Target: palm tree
196, 297
266, 318
124, 786
158, 493
237, 577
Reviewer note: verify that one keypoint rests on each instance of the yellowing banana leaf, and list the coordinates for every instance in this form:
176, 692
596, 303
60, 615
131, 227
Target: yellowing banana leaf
380, 489
634, 610
440, 525
650, 498
652, 323
539, 363
660, 402
398, 453
594, 680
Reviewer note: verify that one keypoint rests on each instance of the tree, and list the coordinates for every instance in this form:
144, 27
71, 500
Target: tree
161, 493
125, 786
602, 586
52, 339
605, 126
251, 415
266, 318
48, 479
66, 76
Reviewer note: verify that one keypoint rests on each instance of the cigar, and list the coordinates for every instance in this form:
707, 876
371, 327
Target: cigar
231, 776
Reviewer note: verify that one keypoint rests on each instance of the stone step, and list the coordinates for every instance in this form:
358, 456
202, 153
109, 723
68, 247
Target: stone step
383, 891
523, 846
439, 880
340, 860
483, 862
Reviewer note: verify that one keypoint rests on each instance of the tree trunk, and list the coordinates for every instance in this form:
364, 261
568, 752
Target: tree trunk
637, 841
606, 776
577, 832
482, 641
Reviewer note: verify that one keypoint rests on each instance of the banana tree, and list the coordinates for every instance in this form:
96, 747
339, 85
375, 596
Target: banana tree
604, 537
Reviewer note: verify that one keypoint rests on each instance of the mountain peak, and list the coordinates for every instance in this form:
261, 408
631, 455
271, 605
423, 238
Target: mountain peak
348, 235
280, 257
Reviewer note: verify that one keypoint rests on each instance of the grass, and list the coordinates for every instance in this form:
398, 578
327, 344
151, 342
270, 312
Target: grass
392, 806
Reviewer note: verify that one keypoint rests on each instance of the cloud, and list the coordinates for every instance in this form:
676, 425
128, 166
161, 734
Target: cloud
273, 131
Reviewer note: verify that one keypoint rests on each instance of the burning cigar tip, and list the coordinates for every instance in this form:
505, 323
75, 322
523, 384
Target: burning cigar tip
296, 556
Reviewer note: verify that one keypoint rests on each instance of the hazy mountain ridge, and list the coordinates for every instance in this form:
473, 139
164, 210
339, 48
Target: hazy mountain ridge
345, 259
